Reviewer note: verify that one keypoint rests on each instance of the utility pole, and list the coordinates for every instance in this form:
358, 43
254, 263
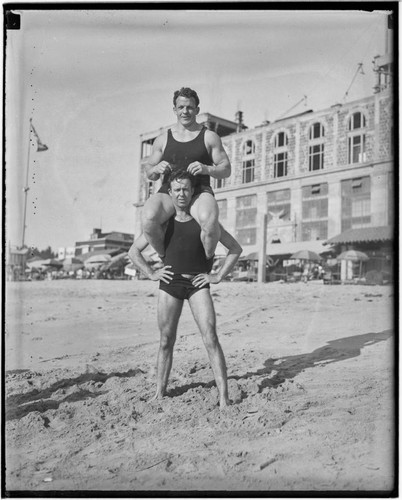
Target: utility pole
262, 249
39, 148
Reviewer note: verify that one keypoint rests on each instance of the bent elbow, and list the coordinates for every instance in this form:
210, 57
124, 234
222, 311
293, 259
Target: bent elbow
150, 173
227, 171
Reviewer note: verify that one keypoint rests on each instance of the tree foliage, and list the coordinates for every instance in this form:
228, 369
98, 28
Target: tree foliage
43, 254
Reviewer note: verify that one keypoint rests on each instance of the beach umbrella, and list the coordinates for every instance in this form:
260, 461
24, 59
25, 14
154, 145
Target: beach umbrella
305, 255
354, 255
116, 262
52, 263
44, 264
251, 256
96, 261
38, 264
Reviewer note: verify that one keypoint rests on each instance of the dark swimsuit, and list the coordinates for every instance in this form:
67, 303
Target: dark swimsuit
180, 154
185, 253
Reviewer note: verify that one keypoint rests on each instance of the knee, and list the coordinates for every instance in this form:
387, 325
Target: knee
211, 341
167, 341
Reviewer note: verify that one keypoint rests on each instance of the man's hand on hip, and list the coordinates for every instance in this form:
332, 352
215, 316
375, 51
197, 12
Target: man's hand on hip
162, 274
203, 279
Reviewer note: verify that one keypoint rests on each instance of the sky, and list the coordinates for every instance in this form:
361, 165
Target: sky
93, 80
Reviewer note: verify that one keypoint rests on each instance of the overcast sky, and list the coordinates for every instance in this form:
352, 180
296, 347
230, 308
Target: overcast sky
93, 81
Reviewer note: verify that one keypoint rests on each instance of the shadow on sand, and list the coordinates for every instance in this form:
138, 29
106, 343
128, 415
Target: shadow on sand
288, 367
19, 405
277, 370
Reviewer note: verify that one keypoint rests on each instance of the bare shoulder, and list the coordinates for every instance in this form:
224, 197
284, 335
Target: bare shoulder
212, 138
160, 141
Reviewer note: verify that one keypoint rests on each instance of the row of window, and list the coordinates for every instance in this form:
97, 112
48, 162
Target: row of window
355, 210
356, 150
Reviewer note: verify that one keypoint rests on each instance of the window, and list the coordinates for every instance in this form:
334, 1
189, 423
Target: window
219, 183
315, 212
150, 189
316, 147
246, 219
281, 155
356, 203
146, 147
248, 162
357, 138
223, 209
278, 205
357, 121
281, 140
278, 220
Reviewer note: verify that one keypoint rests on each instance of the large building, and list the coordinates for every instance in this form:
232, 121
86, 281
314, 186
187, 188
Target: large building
307, 178
104, 241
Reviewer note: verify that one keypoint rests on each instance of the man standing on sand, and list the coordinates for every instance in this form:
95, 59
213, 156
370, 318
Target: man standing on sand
192, 147
185, 275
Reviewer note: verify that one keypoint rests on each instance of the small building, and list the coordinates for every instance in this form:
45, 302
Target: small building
16, 259
113, 240
375, 242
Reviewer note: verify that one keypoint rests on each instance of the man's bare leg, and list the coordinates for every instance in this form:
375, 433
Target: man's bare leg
157, 210
169, 311
203, 311
205, 211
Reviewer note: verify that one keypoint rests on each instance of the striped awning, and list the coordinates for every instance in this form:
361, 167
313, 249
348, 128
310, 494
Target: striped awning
363, 234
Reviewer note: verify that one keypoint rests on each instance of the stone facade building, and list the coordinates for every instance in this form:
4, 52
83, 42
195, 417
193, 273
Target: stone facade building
304, 179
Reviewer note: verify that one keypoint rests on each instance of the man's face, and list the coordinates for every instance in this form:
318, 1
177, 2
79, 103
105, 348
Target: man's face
186, 110
181, 192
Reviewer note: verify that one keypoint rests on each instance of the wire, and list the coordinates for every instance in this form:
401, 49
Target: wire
359, 70
293, 107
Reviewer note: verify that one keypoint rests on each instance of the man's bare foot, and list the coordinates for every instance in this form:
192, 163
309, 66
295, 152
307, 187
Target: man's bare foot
224, 403
157, 397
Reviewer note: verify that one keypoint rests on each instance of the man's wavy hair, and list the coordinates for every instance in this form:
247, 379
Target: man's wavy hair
179, 175
186, 92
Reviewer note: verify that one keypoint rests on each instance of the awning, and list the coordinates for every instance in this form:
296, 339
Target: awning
363, 234
286, 249
316, 246
110, 251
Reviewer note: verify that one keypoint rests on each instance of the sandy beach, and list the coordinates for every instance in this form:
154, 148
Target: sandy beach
311, 378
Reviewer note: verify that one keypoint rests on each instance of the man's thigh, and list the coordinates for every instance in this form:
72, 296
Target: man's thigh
204, 206
203, 310
158, 207
169, 311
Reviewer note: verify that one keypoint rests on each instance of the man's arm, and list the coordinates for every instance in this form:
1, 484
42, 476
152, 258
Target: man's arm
136, 257
232, 257
154, 167
221, 165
